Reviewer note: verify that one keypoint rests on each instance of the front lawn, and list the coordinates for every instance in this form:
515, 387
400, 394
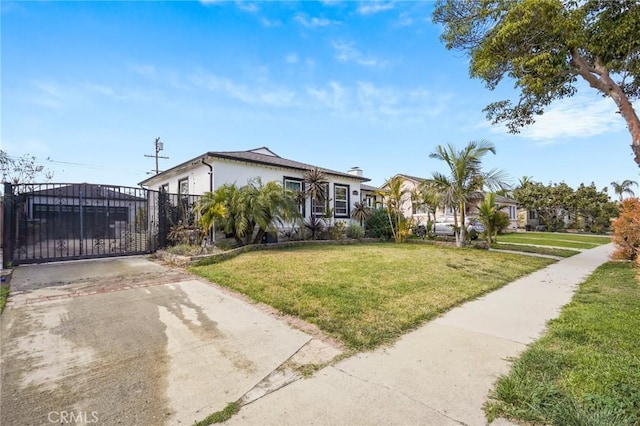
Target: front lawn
586, 369
367, 295
579, 241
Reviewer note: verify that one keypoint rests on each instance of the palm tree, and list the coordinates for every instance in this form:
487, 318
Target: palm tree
491, 217
223, 205
316, 190
464, 179
392, 200
624, 187
430, 200
240, 210
360, 212
267, 205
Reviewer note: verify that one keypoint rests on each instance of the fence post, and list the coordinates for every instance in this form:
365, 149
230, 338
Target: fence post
162, 219
8, 236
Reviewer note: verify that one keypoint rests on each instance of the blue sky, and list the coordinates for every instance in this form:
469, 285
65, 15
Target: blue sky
336, 84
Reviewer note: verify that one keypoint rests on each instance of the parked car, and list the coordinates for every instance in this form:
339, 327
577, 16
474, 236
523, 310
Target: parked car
446, 226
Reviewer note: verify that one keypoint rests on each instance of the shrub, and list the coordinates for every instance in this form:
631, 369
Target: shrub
338, 230
626, 230
355, 231
378, 225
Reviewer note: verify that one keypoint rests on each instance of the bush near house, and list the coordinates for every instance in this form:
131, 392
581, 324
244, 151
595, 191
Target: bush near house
626, 230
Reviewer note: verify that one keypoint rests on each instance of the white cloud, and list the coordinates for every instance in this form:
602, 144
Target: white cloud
269, 23
291, 58
367, 101
313, 22
371, 8
332, 97
240, 92
576, 117
247, 6
346, 52
144, 70
405, 20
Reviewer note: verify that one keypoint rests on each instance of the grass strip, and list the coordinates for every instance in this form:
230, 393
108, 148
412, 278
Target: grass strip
220, 416
567, 240
4, 294
586, 369
534, 249
369, 294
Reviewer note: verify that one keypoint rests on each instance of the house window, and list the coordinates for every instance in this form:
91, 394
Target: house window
319, 207
532, 214
296, 187
183, 186
341, 201
513, 213
165, 188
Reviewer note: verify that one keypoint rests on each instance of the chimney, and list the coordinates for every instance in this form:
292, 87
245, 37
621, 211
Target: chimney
356, 171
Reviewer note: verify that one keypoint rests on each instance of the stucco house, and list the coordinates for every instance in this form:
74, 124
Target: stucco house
211, 170
420, 215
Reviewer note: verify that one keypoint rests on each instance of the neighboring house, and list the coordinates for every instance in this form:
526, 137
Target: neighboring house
445, 213
530, 220
369, 196
211, 170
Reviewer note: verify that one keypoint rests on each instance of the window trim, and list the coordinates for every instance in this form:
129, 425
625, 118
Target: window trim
303, 205
180, 181
325, 203
347, 201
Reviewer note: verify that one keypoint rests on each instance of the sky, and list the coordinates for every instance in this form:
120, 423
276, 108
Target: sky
337, 84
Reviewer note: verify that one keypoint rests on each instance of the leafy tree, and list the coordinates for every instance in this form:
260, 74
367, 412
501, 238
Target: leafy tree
546, 46
465, 178
23, 169
624, 187
551, 202
590, 205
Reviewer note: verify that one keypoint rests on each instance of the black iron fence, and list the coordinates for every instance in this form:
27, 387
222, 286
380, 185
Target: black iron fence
58, 221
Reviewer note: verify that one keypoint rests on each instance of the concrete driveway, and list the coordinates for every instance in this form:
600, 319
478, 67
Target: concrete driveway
127, 341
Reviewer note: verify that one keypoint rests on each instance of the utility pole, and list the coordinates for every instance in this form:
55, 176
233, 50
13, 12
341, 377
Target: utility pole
159, 147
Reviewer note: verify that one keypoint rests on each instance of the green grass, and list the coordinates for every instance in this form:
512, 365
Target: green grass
586, 369
579, 241
367, 295
538, 250
220, 416
4, 294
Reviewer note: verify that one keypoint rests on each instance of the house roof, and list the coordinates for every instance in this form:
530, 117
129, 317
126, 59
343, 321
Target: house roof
87, 191
262, 155
413, 178
505, 200
365, 187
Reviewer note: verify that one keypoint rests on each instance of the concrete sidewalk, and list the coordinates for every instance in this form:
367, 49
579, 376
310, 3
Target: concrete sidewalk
439, 374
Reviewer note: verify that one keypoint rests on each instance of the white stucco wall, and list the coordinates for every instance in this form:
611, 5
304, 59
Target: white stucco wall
239, 172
